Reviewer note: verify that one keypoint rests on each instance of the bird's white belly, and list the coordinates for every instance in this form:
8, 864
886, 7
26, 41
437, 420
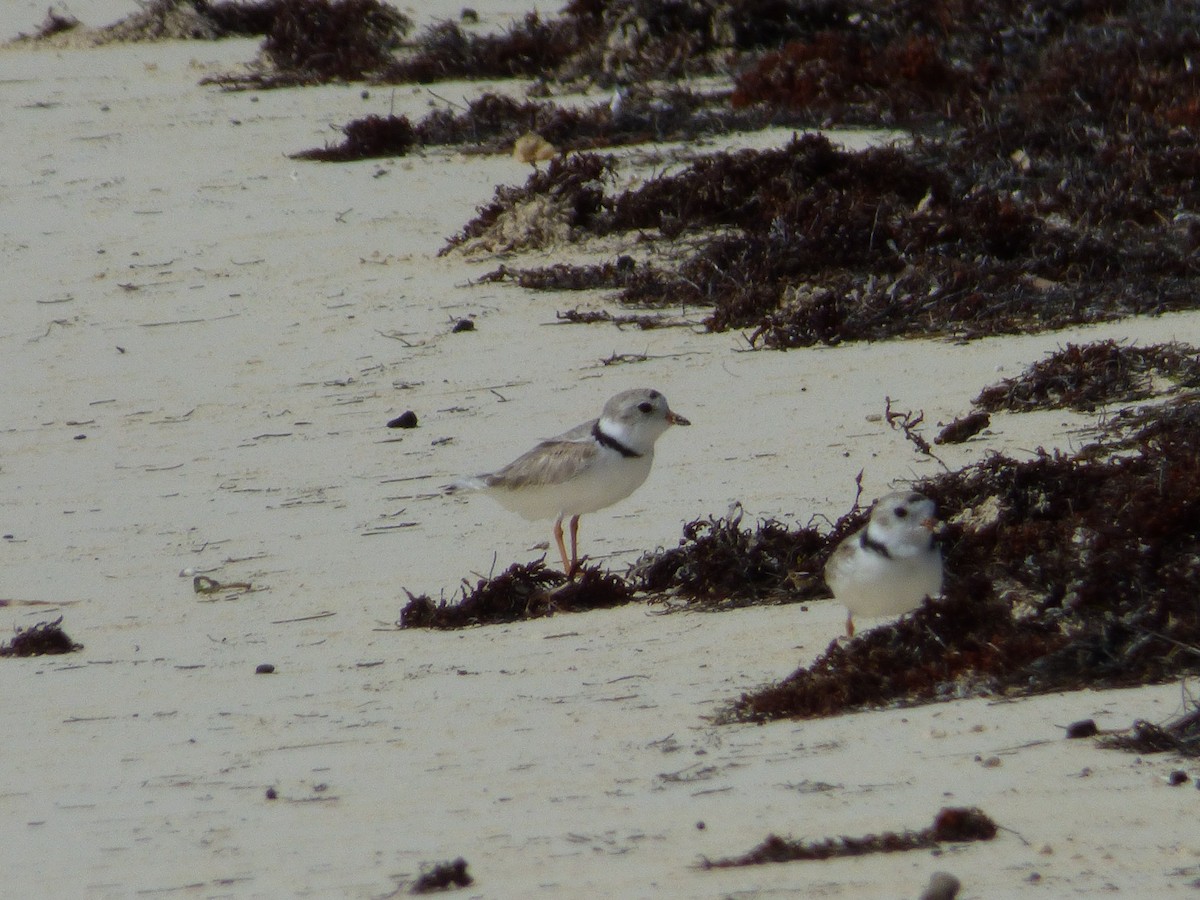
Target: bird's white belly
889, 587
595, 488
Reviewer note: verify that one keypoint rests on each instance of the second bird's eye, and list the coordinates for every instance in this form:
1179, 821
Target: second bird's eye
645, 407
901, 512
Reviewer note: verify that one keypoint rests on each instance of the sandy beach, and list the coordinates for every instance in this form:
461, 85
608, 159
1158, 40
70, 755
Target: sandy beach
203, 341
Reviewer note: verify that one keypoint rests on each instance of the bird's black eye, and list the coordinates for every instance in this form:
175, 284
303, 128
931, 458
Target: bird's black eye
901, 512
646, 407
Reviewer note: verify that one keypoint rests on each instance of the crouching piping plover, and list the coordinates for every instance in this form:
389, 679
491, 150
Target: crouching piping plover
592, 466
891, 565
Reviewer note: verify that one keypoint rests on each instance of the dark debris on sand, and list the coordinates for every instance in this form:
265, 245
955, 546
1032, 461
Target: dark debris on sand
43, 639
443, 877
1085, 377
522, 591
492, 123
1180, 736
951, 825
718, 564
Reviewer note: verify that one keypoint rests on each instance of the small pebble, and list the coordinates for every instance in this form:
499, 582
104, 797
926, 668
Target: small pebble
1084, 728
942, 886
265, 669
272, 793
700, 826
1177, 778
407, 419
463, 325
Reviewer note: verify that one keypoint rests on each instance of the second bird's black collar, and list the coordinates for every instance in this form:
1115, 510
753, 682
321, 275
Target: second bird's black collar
869, 543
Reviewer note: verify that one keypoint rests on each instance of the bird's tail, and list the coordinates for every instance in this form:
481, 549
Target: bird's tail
470, 483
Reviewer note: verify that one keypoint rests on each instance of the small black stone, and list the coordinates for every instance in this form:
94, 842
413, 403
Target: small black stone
1177, 778
1082, 729
265, 669
463, 325
407, 419
272, 793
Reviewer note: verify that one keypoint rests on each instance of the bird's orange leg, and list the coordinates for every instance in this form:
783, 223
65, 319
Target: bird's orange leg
574, 547
850, 625
562, 548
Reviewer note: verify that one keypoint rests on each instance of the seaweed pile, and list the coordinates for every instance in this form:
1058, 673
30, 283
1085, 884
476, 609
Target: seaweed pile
523, 591
1085, 377
718, 564
492, 123
43, 639
950, 825
1180, 736
1050, 197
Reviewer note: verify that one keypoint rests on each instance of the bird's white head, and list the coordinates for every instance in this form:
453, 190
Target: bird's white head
637, 417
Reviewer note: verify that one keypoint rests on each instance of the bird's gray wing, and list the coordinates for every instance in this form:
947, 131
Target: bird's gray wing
550, 462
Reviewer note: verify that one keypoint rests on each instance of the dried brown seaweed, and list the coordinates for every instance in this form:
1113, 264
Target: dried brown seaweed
1181, 735
951, 825
523, 591
1087, 376
443, 877
720, 564
43, 639
1043, 204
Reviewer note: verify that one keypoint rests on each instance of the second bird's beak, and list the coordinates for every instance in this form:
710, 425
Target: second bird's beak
677, 419
931, 524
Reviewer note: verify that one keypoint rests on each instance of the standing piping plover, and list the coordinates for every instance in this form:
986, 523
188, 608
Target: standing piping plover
891, 565
585, 469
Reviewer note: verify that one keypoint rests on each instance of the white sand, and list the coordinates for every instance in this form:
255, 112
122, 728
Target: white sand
202, 340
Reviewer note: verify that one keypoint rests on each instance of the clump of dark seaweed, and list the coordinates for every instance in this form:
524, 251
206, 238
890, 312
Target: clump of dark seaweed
367, 138
851, 80
43, 639
720, 564
492, 123
1084, 377
963, 428
54, 23
951, 825
1063, 572
1181, 735
530, 47
316, 41
310, 41
443, 877
810, 244
523, 591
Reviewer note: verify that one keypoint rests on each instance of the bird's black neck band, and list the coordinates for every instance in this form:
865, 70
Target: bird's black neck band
869, 543
607, 440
